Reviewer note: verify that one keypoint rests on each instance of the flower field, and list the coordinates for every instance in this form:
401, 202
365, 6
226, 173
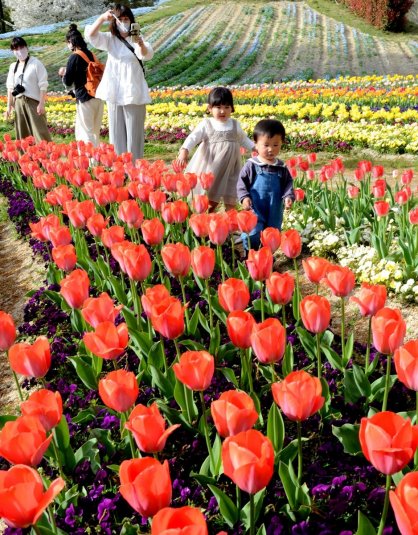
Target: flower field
170, 387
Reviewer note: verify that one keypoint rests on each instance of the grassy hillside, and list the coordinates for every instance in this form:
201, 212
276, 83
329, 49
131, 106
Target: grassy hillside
252, 42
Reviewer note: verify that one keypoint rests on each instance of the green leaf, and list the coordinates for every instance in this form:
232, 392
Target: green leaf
217, 454
275, 428
165, 384
84, 416
262, 530
365, 527
333, 358
184, 397
348, 435
288, 361
89, 451
361, 381
215, 340
6, 418
229, 375
105, 439
194, 321
378, 387
308, 342
84, 371
142, 341
258, 504
62, 434
227, 507
156, 356
289, 481
348, 349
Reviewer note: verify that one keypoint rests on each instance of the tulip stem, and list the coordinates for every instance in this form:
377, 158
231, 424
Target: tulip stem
252, 515
284, 316
369, 338
318, 356
136, 300
221, 261
205, 427
299, 427
18, 385
177, 349
296, 301
55, 447
238, 495
385, 506
183, 293
343, 328
52, 519
386, 394
209, 305
262, 300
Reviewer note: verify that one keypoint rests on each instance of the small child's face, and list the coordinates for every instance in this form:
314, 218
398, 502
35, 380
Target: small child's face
221, 112
268, 147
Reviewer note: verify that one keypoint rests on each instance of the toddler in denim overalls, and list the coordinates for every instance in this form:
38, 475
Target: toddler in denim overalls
265, 184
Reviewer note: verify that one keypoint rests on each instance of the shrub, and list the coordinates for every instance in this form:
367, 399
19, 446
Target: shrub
384, 14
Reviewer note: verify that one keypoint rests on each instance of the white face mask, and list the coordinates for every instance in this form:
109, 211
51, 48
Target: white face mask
123, 28
21, 53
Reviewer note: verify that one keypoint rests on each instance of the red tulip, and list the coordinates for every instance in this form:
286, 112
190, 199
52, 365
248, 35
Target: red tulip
315, 312
260, 263
145, 484
381, 208
156, 199
413, 216
406, 364
340, 280
388, 329
206, 180
203, 261
107, 341
291, 243
75, 288
148, 428
247, 220
22, 496
112, 235
200, 203
407, 176
179, 521
404, 504
299, 395
79, 212
60, 236
280, 287
119, 390
268, 340
134, 260
153, 296
233, 295
271, 237
239, 325
65, 257
152, 231
96, 224
299, 194
199, 223
130, 213
315, 268
96, 310
45, 405
176, 258
218, 228
379, 188
248, 459
388, 441
24, 441
7, 331
371, 298
233, 412
167, 318
195, 369
353, 192
31, 360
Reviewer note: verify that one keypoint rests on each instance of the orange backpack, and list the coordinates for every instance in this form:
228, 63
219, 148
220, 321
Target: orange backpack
95, 71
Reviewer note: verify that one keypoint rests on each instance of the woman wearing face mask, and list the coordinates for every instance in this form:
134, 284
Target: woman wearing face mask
89, 109
27, 83
123, 85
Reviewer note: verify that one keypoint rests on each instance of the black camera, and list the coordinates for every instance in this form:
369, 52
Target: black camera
18, 89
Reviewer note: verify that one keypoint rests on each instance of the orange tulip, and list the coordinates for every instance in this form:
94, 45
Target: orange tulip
22, 496
203, 261
31, 360
239, 325
24, 441
291, 243
200, 203
112, 235
107, 341
271, 237
96, 224
119, 390
388, 329
176, 258
315, 311
179, 521
148, 428
340, 280
406, 364
233, 412
218, 228
46, 405
60, 236
96, 310
146, 485
156, 199
388, 441
75, 288
371, 298
280, 287
247, 220
206, 180
152, 231
130, 213
248, 459
7, 331
268, 340
233, 295
175, 212
79, 212
199, 223
404, 504
65, 257
195, 369
299, 395
153, 296
133, 259
167, 318
260, 263
315, 268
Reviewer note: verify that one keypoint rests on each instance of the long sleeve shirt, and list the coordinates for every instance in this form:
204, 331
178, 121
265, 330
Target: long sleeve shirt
76, 75
35, 78
248, 175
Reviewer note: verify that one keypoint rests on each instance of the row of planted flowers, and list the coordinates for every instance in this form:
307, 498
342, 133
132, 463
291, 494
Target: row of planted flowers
192, 318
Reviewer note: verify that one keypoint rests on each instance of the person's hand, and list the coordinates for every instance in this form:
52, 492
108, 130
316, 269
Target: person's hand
40, 109
247, 204
7, 114
62, 71
107, 16
183, 157
138, 40
288, 203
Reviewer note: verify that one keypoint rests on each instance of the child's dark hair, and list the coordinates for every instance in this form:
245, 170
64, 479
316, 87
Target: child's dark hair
269, 128
18, 42
220, 96
75, 38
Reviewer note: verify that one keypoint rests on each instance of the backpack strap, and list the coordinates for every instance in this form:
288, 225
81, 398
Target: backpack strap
85, 56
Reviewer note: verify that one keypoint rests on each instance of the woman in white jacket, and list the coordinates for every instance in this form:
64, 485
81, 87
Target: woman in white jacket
123, 85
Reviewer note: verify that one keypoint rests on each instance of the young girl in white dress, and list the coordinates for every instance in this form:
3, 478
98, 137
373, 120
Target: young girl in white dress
219, 138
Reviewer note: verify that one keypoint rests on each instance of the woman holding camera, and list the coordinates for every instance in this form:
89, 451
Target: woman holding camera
26, 84
89, 112
123, 85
